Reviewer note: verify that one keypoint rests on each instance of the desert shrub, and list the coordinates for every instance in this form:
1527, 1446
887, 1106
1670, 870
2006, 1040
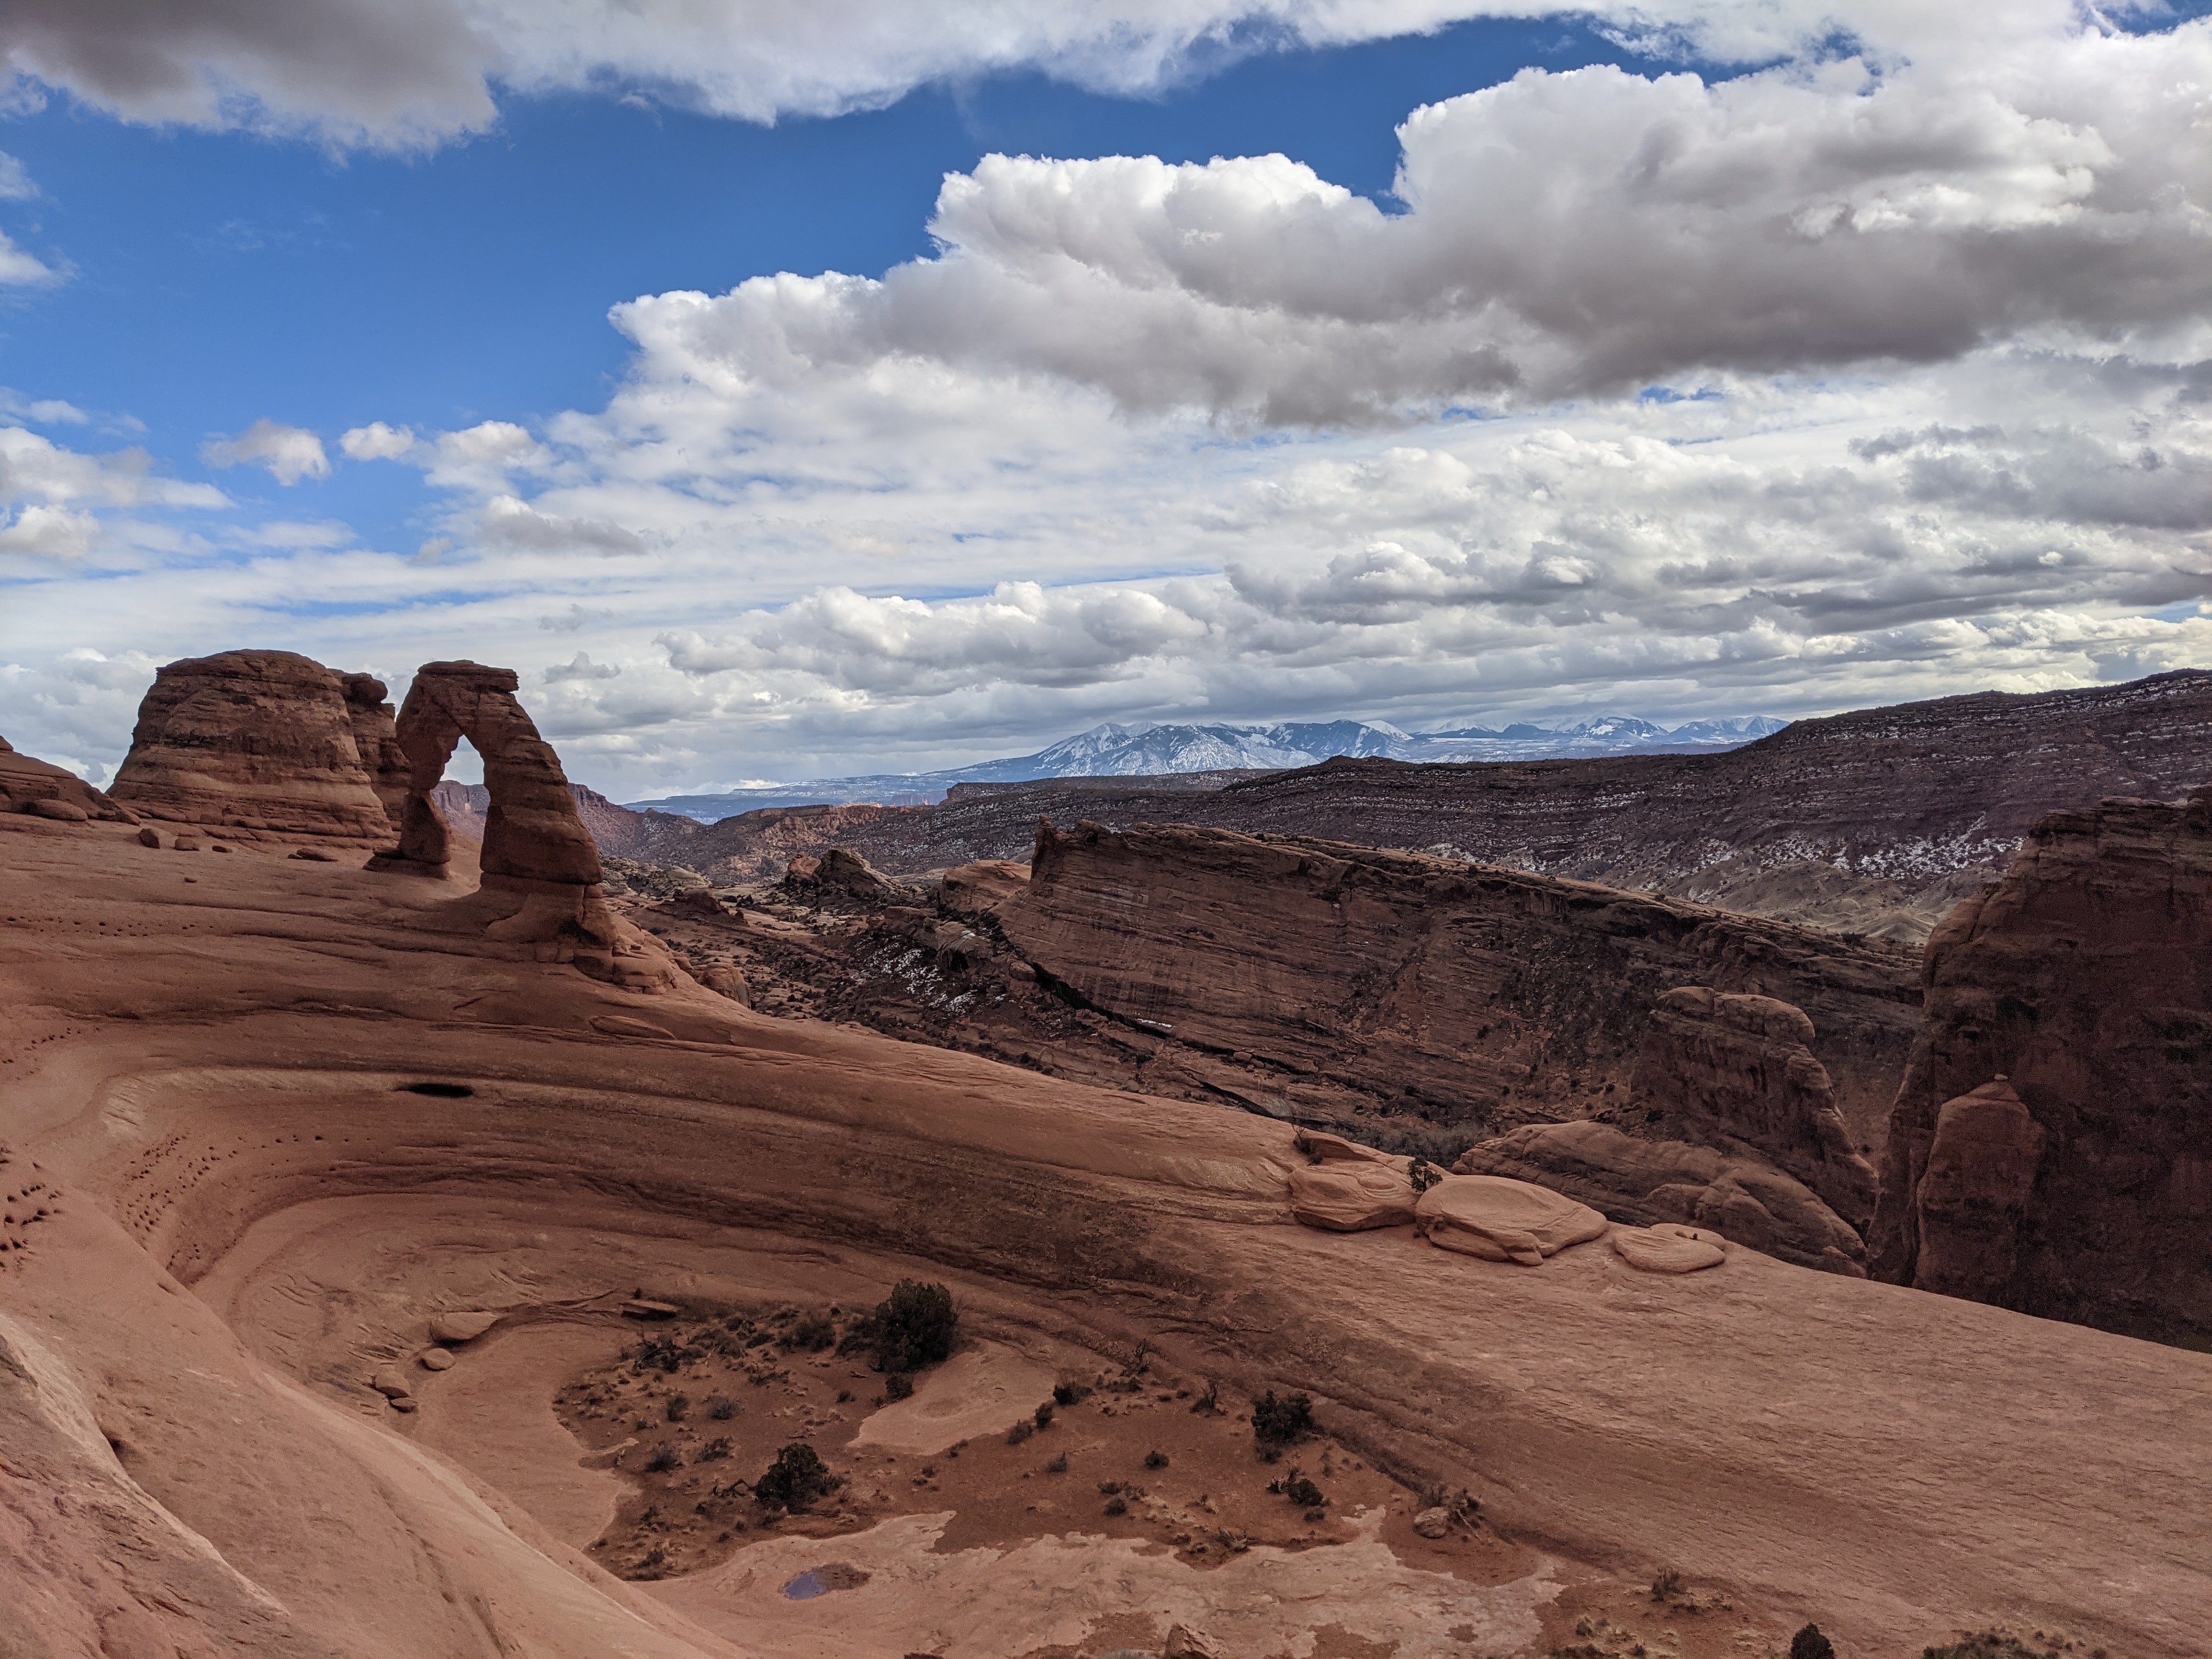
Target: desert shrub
1809, 1643
1156, 1460
678, 1408
1666, 1586
714, 1450
810, 1334
1279, 1422
913, 1327
795, 1479
655, 1562
1987, 1644
1210, 1401
659, 1354
1425, 1175
722, 1409
1302, 1492
899, 1385
1069, 1393
1117, 1506
1044, 1415
1057, 1466
664, 1459
1021, 1431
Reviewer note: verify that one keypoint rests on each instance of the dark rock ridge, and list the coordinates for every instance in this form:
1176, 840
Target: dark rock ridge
44, 790
2051, 1148
1875, 821
255, 740
1454, 993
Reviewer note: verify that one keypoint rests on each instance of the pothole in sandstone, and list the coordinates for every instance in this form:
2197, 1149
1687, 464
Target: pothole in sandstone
820, 1581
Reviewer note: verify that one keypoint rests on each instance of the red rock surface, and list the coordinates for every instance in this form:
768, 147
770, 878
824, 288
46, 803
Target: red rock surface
1646, 1182
1450, 994
257, 740
376, 738
1737, 1073
26, 783
2085, 978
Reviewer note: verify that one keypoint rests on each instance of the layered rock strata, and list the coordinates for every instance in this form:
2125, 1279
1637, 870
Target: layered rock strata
1318, 975
44, 790
257, 740
2083, 980
376, 739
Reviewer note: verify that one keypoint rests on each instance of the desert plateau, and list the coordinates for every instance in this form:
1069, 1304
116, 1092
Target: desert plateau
410, 1250
1105, 829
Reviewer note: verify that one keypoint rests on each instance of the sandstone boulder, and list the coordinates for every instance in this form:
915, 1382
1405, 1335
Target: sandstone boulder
59, 811
1737, 1073
2084, 978
1351, 1197
1503, 1220
1980, 1176
26, 783
1669, 1249
252, 739
839, 874
1643, 1182
461, 1326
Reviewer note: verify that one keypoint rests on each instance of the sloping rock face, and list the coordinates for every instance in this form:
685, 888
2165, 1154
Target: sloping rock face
533, 832
2084, 979
1503, 1220
252, 740
41, 788
376, 737
1737, 1073
1423, 987
1647, 1182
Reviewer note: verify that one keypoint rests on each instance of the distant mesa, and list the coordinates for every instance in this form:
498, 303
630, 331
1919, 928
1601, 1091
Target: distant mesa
253, 740
2051, 1148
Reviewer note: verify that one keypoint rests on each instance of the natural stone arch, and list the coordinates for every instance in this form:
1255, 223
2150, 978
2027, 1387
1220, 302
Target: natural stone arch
533, 832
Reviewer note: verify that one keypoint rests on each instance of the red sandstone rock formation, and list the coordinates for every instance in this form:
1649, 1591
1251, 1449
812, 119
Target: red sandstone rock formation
2085, 979
376, 737
1441, 992
253, 740
47, 791
1737, 1073
1644, 1182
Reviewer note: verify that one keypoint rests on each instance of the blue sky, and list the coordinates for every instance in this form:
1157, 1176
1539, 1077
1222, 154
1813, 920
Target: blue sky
1791, 384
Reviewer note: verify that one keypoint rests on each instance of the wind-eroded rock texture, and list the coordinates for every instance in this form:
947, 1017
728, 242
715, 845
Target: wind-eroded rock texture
376, 737
1876, 822
1460, 994
260, 740
2084, 980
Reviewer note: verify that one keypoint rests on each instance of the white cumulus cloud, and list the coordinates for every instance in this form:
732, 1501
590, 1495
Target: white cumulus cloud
289, 453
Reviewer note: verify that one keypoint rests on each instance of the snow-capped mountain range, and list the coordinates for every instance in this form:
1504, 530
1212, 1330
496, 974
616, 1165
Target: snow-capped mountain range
1182, 749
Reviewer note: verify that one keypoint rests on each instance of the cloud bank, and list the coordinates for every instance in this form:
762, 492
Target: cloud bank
1857, 379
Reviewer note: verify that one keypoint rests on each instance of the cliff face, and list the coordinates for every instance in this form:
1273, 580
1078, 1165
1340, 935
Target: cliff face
1875, 821
1462, 995
2083, 984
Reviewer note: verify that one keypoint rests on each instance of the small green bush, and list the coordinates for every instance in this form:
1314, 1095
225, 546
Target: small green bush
722, 1409
898, 1386
664, 1459
714, 1450
1156, 1460
810, 1334
914, 1327
1809, 1643
1069, 1393
1044, 1415
795, 1479
1279, 1422
679, 1406
1303, 1493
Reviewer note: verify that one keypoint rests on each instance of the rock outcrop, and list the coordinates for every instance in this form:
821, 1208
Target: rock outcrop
257, 740
1646, 1182
1667, 1248
44, 790
839, 876
376, 738
1349, 1188
1503, 1220
1326, 979
2084, 979
1737, 1073
540, 870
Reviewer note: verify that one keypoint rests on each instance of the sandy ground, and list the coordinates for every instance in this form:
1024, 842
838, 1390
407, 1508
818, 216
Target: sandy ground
251, 1216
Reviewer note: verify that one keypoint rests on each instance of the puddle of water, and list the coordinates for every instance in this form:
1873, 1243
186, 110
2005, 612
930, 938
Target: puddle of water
820, 1581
